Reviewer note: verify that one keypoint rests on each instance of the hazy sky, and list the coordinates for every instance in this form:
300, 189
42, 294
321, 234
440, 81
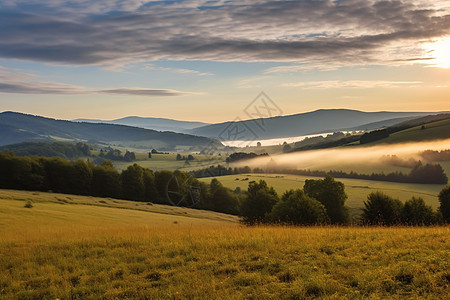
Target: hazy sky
207, 60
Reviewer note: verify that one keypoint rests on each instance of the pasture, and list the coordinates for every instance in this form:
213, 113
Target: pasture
73, 247
168, 162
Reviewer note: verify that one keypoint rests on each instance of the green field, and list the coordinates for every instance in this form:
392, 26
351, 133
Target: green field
169, 162
432, 131
72, 247
356, 189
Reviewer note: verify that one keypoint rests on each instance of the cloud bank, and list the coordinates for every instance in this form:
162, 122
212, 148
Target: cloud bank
322, 32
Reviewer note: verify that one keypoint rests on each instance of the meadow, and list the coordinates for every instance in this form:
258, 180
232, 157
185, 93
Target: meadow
169, 162
73, 247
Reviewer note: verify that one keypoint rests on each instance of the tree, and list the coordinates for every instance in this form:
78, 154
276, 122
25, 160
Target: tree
444, 200
286, 148
296, 208
332, 195
258, 202
162, 179
133, 187
106, 181
82, 177
381, 209
416, 212
150, 190
129, 156
222, 198
373, 136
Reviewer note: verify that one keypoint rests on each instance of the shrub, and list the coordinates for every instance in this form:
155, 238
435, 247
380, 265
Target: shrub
258, 202
332, 195
381, 209
28, 204
444, 200
416, 212
297, 208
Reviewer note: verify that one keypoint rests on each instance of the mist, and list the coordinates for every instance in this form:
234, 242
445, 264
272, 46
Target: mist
354, 158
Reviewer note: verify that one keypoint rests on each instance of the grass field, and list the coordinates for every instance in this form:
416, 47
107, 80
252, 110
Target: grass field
432, 131
169, 162
78, 251
356, 189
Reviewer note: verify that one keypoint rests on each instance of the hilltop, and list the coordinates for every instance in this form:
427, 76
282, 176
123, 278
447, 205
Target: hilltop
160, 124
319, 121
17, 127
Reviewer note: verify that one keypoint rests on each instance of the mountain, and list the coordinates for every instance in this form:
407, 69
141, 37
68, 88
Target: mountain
17, 127
319, 121
159, 124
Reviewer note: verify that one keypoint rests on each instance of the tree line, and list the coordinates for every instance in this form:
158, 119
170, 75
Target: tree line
420, 173
134, 183
47, 149
321, 201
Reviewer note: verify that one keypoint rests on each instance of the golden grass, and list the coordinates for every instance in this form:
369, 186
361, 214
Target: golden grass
81, 251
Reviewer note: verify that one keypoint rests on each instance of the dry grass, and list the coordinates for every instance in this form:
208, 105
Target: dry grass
101, 257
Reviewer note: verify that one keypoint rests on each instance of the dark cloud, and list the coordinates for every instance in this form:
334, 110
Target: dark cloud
117, 32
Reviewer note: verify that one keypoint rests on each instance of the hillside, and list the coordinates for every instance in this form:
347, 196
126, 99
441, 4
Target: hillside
59, 250
60, 209
427, 131
320, 121
17, 127
160, 124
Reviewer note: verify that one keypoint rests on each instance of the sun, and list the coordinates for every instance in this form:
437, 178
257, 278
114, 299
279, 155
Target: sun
440, 53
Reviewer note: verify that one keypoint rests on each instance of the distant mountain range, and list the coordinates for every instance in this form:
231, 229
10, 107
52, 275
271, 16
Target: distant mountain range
159, 124
17, 127
319, 121
133, 131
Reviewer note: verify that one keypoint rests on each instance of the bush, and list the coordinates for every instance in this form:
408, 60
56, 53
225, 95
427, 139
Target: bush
416, 212
444, 200
381, 209
28, 204
296, 208
332, 195
260, 199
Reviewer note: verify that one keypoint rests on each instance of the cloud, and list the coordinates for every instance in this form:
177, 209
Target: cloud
326, 32
40, 88
177, 70
352, 84
144, 92
15, 82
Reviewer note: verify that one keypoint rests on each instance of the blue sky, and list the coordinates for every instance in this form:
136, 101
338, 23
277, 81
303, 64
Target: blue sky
206, 60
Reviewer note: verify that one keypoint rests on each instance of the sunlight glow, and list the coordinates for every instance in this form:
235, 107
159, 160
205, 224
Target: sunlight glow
440, 51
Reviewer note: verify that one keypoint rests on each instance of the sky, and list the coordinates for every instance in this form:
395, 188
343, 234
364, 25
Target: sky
208, 60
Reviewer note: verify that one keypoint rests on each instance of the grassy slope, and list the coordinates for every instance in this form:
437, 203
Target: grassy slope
356, 189
51, 209
76, 251
433, 131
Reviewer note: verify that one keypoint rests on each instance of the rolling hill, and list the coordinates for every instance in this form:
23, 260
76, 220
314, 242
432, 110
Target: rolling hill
319, 121
160, 124
426, 131
17, 127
